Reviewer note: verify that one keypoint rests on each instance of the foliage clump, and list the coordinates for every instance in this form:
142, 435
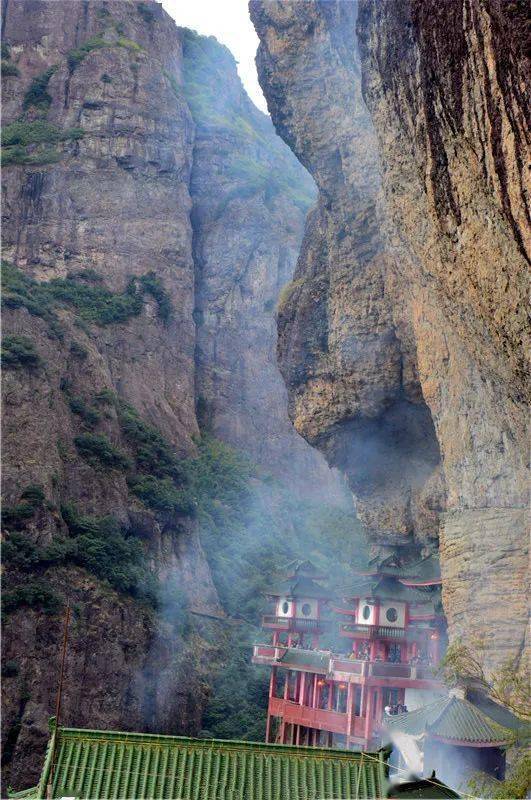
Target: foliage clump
90, 416
37, 95
153, 454
509, 685
78, 54
98, 544
105, 548
37, 594
99, 451
16, 517
152, 284
161, 495
82, 291
38, 131
78, 351
287, 292
129, 44
10, 669
32, 142
19, 352
21, 291
95, 303
9, 70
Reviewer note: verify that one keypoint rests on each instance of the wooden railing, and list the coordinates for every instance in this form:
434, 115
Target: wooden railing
293, 623
271, 654
348, 665
297, 714
374, 631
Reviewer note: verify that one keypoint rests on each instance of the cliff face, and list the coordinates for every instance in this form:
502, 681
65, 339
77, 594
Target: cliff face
247, 236
401, 340
115, 201
350, 368
116, 214
445, 88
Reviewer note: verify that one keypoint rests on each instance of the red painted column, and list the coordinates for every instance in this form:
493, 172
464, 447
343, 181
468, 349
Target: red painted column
350, 708
368, 715
271, 694
301, 688
313, 698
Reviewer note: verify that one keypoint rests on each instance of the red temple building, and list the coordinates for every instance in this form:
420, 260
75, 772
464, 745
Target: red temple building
390, 629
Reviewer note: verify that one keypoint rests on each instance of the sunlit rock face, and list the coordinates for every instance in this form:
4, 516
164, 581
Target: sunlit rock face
348, 360
402, 340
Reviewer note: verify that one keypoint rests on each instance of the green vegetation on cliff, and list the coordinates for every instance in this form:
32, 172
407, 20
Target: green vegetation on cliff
84, 293
32, 142
18, 352
37, 95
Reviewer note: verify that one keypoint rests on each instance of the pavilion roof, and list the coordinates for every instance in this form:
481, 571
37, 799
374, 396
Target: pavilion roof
104, 764
425, 571
299, 567
451, 718
385, 587
300, 586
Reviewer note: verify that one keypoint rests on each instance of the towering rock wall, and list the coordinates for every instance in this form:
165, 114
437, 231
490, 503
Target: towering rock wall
115, 201
446, 89
402, 351
349, 365
128, 261
247, 236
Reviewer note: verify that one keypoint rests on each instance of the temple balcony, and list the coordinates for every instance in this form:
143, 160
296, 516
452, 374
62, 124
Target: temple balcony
293, 623
322, 719
343, 668
340, 668
385, 632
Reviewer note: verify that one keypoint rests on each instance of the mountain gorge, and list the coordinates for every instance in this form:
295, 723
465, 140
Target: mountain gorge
167, 447
401, 337
151, 216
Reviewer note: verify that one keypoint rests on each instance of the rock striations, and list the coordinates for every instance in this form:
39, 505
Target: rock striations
150, 218
402, 338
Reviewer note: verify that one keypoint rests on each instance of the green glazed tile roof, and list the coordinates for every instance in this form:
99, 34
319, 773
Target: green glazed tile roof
450, 718
25, 794
312, 658
98, 764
